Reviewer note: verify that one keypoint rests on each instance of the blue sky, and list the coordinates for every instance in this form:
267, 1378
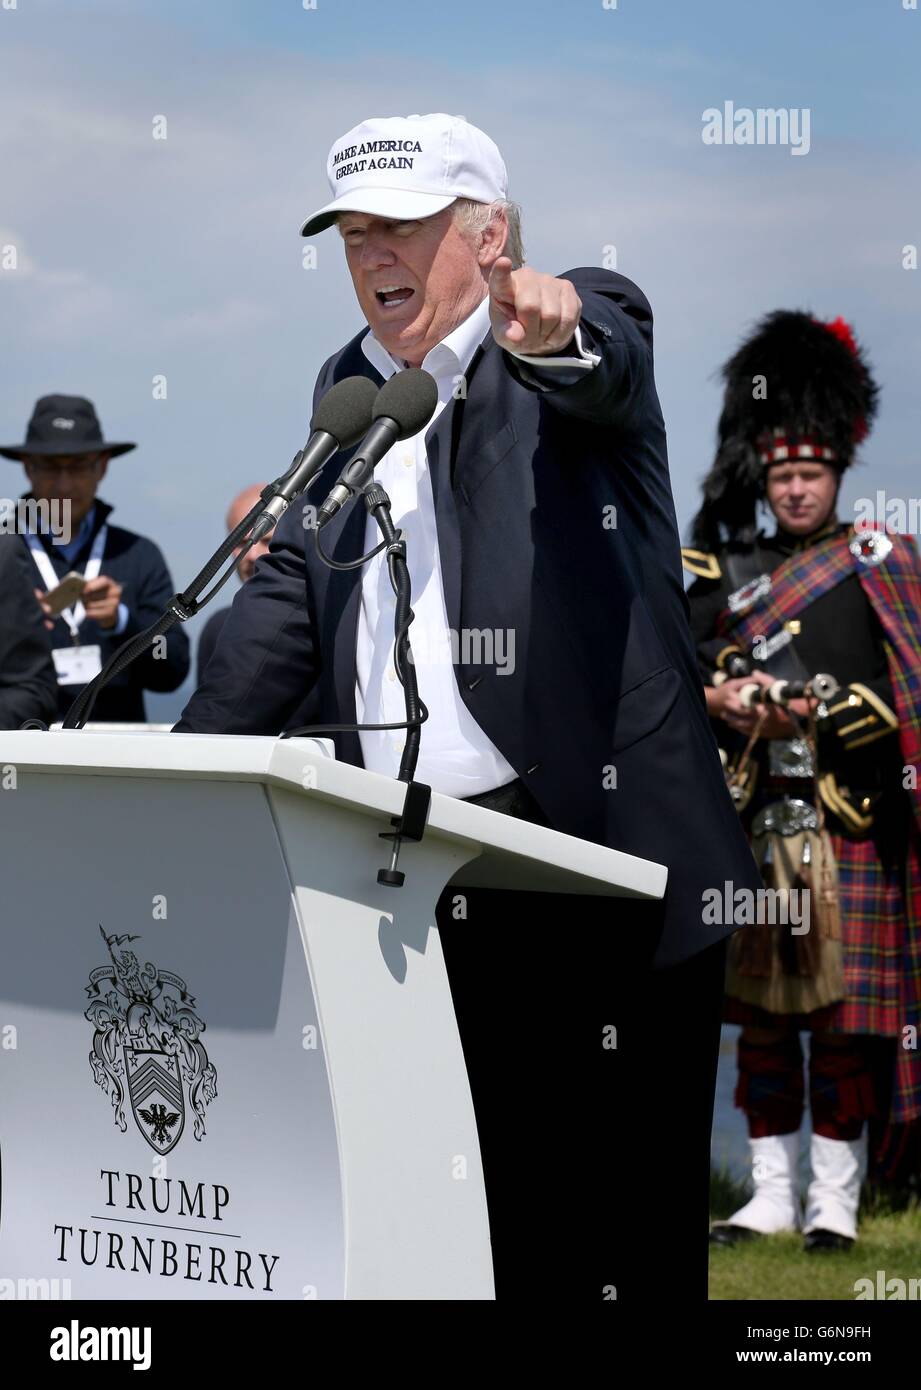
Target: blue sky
182, 257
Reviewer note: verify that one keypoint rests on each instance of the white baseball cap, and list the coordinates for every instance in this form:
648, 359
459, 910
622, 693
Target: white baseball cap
409, 166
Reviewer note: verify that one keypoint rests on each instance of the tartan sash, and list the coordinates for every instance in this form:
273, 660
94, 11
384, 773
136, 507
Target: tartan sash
797, 581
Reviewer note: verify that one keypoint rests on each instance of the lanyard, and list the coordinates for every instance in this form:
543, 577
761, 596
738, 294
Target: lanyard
73, 617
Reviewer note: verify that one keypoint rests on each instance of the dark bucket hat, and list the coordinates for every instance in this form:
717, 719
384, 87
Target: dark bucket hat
63, 425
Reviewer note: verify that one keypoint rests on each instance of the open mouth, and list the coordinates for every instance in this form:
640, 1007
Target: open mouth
392, 296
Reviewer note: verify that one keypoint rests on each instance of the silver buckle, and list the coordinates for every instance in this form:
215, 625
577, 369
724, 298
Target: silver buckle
787, 817
790, 757
749, 593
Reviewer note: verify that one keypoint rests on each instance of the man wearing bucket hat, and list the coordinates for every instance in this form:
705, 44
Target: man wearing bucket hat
126, 582
536, 508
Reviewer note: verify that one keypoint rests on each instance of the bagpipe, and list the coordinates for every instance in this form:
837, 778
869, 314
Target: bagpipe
821, 687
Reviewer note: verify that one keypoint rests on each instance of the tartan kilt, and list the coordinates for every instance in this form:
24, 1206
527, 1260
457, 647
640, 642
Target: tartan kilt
879, 954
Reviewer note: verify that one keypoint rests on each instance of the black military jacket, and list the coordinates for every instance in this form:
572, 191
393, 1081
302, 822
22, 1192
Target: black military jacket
860, 762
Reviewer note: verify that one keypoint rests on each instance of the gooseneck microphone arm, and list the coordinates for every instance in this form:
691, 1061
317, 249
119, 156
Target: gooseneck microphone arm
341, 419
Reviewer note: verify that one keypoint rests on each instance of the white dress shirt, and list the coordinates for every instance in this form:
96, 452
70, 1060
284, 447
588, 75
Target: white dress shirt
455, 756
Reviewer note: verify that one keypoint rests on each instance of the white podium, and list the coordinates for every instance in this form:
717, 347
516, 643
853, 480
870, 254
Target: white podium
229, 1063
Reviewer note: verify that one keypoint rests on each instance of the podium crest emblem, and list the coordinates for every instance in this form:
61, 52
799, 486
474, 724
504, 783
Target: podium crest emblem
147, 1051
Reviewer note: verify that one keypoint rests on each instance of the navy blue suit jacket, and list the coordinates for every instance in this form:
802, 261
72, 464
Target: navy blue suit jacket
555, 519
28, 681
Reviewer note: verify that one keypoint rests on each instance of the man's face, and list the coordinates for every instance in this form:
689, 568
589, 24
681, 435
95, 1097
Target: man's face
416, 281
68, 478
801, 494
247, 565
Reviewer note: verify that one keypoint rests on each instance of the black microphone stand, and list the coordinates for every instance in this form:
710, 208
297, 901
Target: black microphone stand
410, 824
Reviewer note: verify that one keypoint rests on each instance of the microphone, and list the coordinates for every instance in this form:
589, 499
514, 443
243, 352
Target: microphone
341, 418
403, 406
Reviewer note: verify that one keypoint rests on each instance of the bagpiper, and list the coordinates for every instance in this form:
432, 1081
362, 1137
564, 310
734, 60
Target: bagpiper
808, 635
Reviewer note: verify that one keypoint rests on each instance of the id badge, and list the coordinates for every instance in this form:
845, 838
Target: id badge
77, 665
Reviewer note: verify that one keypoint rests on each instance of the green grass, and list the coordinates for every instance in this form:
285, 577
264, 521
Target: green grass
778, 1267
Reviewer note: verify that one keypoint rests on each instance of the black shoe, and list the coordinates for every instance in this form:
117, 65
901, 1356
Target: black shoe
724, 1233
820, 1239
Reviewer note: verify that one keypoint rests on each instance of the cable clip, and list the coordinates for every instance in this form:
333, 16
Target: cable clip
182, 609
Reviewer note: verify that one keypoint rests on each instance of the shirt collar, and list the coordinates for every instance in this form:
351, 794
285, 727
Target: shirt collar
81, 538
788, 543
451, 356
84, 531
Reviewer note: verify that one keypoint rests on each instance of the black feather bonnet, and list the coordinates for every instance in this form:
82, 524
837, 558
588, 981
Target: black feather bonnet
797, 388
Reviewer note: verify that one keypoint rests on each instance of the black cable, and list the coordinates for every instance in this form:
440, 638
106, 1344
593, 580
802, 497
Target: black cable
344, 564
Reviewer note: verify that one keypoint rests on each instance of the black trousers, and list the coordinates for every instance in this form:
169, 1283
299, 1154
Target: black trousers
592, 1079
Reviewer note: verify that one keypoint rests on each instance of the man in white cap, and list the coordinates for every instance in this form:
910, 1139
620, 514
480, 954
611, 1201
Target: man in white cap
411, 173
537, 510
